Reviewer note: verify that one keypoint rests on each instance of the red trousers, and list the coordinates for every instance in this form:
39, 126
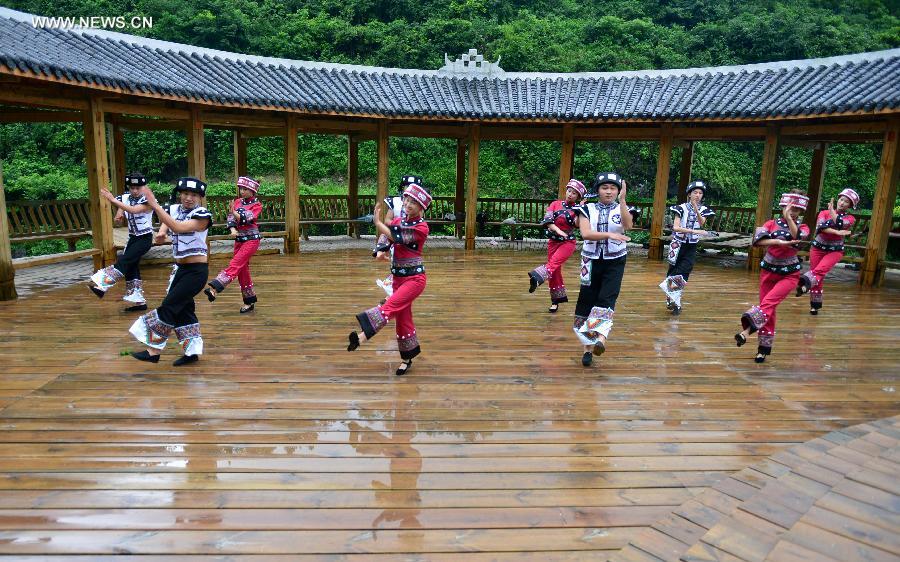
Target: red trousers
773, 288
557, 255
239, 266
399, 307
820, 263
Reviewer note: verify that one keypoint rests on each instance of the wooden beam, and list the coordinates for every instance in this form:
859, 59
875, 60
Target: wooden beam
604, 133
459, 203
291, 188
567, 158
7, 271
520, 132
98, 178
723, 133
25, 116
810, 141
148, 110
240, 154
196, 147
855, 127
149, 124
117, 159
38, 98
882, 208
766, 190
258, 133
474, 142
660, 191
684, 172
816, 180
383, 180
233, 120
352, 185
427, 130
336, 126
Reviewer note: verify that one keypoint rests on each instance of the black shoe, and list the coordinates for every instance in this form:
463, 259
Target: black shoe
553, 308
532, 284
209, 294
136, 308
97, 291
740, 339
403, 368
185, 359
760, 357
814, 311
670, 304
145, 356
247, 308
587, 359
354, 341
676, 310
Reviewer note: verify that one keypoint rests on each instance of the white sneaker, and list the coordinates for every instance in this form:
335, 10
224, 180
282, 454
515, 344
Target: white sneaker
102, 280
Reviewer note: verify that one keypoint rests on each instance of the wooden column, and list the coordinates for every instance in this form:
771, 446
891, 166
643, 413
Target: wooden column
684, 174
816, 180
352, 185
567, 158
882, 208
117, 159
766, 190
459, 204
98, 178
240, 155
660, 191
291, 188
196, 147
381, 190
474, 141
7, 271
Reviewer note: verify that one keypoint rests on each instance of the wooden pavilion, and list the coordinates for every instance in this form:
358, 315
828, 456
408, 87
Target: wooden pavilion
113, 82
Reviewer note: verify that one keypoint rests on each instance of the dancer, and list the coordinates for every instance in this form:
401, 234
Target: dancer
408, 237
687, 229
603, 225
134, 209
560, 220
383, 246
780, 270
245, 212
189, 224
832, 225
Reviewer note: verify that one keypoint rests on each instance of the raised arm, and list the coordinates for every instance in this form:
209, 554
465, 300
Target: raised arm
133, 209
627, 219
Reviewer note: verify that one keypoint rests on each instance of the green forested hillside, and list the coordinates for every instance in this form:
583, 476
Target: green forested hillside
46, 161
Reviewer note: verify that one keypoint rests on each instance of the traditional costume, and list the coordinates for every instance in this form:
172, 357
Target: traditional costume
564, 216
408, 271
140, 240
246, 243
778, 277
683, 248
602, 268
826, 251
176, 312
383, 244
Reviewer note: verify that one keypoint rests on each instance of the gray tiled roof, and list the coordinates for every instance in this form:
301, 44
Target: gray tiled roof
865, 82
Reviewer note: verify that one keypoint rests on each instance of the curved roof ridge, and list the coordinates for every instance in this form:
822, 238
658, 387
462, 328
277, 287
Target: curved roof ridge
275, 61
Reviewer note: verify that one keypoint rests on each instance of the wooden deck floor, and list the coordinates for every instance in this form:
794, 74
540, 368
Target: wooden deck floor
280, 445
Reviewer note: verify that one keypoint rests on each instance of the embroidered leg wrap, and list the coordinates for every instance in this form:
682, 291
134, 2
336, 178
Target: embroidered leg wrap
806, 282
408, 346
221, 281
190, 340
248, 294
754, 319
539, 274
371, 321
106, 277
815, 299
766, 339
151, 331
135, 292
598, 323
558, 295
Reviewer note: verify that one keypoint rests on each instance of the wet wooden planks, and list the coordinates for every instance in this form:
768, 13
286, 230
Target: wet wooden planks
280, 445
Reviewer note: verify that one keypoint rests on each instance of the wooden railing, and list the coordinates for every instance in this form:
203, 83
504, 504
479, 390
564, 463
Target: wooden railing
68, 219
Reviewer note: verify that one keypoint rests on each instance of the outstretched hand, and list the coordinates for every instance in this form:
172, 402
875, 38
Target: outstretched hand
107, 194
622, 192
148, 195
